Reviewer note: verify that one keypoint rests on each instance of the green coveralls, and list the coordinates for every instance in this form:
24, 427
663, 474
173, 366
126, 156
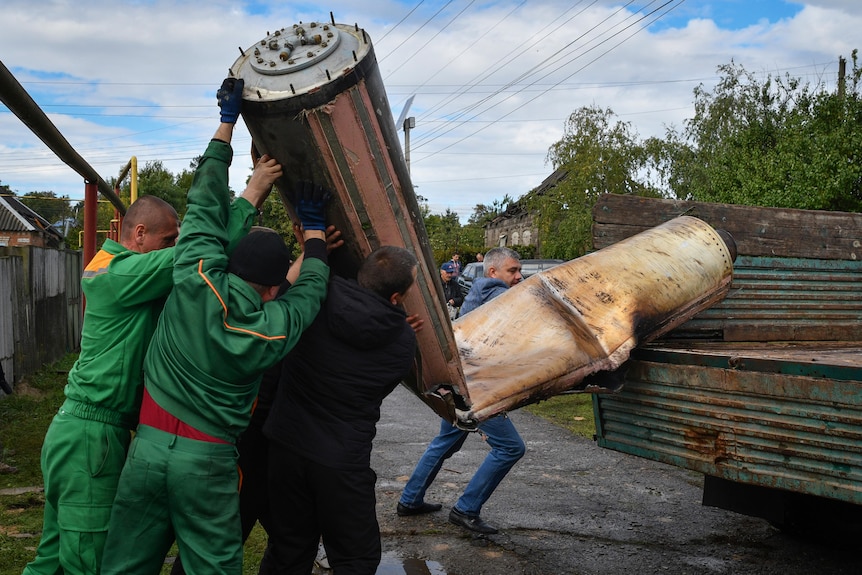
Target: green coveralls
86, 443
212, 344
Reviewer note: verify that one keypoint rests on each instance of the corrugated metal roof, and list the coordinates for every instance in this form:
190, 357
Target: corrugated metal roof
17, 217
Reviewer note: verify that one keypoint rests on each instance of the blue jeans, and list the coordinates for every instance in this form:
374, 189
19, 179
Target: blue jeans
507, 448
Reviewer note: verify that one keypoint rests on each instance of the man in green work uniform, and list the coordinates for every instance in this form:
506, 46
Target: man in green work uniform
125, 286
223, 325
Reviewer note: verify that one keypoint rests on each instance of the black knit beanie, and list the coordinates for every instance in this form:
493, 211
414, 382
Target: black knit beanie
261, 258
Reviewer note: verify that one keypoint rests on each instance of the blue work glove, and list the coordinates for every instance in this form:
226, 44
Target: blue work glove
230, 99
309, 200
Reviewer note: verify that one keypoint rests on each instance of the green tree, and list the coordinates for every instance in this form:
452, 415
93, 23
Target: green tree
156, 180
444, 234
274, 215
185, 178
776, 142
601, 156
49, 205
484, 213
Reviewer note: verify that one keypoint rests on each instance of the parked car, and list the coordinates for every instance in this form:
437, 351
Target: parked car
477, 270
530, 267
470, 272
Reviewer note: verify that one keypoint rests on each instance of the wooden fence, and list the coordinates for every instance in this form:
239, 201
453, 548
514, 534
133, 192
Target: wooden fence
40, 308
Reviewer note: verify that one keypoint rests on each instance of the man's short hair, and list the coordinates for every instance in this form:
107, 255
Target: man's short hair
387, 270
496, 256
151, 211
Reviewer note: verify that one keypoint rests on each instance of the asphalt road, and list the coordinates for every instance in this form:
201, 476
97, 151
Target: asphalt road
570, 507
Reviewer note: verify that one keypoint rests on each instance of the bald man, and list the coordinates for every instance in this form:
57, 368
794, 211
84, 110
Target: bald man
125, 286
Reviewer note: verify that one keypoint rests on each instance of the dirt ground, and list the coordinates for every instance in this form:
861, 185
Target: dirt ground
572, 508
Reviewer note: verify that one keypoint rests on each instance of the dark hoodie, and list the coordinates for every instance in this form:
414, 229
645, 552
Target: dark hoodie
356, 351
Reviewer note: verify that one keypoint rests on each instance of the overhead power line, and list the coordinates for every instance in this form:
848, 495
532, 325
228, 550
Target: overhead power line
379, 60
540, 36
576, 71
406, 16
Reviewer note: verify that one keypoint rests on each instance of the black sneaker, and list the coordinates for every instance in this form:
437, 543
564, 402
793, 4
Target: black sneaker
404, 511
472, 522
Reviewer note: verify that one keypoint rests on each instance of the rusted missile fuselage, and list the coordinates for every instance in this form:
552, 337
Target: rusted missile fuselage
315, 101
549, 333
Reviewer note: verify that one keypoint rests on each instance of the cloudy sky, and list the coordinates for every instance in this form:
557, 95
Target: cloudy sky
493, 81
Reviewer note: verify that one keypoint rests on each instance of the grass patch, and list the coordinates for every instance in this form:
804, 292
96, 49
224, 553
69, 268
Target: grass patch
24, 419
573, 411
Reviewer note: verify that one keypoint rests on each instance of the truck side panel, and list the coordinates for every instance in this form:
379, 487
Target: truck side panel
801, 433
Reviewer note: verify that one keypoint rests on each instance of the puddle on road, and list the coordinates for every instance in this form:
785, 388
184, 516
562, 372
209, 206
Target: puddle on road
392, 564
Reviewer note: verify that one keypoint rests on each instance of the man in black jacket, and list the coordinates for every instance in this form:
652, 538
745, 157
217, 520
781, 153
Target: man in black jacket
324, 419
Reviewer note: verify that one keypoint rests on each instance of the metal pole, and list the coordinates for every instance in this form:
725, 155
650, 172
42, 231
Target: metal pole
409, 123
91, 198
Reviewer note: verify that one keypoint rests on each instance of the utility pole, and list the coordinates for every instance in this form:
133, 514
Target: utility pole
842, 73
409, 124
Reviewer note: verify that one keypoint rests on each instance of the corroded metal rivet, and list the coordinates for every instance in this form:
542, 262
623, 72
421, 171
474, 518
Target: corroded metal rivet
283, 56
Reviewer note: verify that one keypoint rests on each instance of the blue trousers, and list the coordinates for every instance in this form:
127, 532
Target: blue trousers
507, 448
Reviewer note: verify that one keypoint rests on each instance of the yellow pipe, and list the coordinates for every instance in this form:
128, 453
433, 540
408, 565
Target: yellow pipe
130, 167
134, 179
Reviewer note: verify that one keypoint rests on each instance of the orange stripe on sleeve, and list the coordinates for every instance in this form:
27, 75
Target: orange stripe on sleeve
225, 308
